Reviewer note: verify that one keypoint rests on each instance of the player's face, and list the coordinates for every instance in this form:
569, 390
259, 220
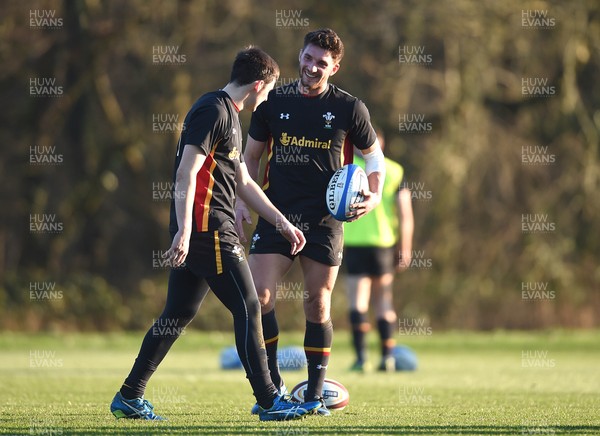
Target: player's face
316, 66
261, 94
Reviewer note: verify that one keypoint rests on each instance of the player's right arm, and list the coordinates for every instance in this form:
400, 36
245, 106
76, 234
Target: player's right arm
185, 186
252, 155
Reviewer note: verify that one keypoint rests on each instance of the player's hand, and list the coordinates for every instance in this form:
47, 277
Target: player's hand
293, 234
242, 213
370, 202
179, 249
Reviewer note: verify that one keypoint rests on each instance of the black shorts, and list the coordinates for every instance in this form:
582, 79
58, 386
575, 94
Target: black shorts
370, 261
214, 252
322, 245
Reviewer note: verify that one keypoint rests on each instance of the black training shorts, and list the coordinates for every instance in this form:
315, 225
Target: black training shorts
370, 261
322, 245
215, 251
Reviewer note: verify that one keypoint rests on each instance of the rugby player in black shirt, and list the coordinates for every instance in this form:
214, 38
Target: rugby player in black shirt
306, 130
205, 250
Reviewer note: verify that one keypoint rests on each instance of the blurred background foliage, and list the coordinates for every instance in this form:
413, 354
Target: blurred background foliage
469, 164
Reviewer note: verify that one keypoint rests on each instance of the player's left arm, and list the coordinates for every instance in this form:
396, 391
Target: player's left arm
375, 169
253, 196
407, 227
185, 185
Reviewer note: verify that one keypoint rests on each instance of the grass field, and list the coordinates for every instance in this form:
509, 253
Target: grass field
467, 383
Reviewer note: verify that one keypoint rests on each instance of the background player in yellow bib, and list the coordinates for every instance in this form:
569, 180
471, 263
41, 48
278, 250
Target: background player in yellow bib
376, 246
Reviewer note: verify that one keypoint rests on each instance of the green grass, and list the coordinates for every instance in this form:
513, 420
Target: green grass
467, 383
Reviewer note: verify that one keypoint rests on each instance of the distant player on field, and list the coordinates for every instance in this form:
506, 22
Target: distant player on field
306, 130
375, 247
205, 250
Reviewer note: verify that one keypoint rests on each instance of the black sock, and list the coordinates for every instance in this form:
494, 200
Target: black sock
385, 329
317, 346
271, 335
359, 324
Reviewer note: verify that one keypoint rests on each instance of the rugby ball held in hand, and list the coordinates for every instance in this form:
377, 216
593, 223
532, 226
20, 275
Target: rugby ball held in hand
334, 394
345, 189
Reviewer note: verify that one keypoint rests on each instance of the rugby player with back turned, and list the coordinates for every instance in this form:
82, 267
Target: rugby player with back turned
316, 122
205, 249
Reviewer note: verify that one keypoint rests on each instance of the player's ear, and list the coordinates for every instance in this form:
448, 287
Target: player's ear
335, 69
258, 85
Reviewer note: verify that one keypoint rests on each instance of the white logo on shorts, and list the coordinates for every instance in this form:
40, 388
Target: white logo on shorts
255, 238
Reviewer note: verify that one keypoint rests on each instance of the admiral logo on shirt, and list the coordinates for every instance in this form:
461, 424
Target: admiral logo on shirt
234, 154
286, 140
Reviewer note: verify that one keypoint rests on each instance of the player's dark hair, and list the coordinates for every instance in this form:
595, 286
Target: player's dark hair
328, 40
253, 64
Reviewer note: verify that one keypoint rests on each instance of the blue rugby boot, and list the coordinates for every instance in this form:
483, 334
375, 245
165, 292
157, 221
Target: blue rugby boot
138, 408
284, 410
256, 408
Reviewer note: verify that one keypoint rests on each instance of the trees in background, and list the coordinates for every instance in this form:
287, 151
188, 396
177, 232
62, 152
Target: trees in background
492, 108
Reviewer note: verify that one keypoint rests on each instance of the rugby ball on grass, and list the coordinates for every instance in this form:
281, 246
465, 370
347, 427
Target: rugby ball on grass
335, 395
344, 189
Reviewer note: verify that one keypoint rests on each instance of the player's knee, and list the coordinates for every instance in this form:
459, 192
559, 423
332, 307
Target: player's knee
266, 298
317, 308
388, 315
252, 306
361, 305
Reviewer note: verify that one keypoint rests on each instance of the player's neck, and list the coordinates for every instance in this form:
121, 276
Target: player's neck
237, 93
311, 92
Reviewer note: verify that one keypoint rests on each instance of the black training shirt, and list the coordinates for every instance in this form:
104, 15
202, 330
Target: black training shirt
308, 139
212, 125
